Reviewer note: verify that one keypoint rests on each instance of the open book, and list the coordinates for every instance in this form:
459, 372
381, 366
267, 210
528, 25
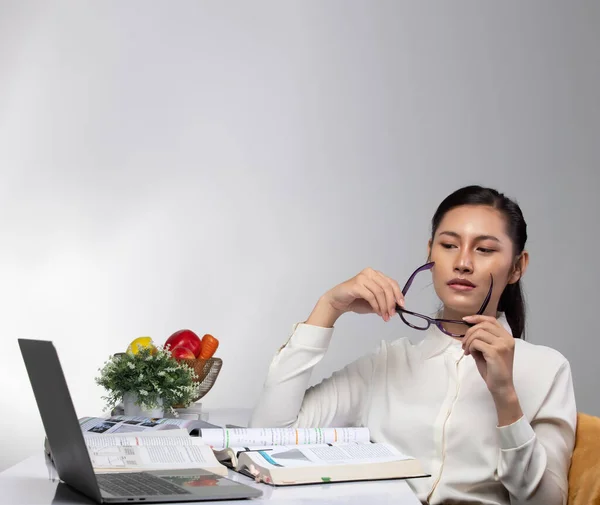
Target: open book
128, 424
289, 456
122, 443
161, 450
276, 456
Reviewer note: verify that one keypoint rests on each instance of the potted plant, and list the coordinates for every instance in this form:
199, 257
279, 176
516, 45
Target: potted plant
149, 382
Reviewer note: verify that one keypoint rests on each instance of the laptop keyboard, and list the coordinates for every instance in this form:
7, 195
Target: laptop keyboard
137, 484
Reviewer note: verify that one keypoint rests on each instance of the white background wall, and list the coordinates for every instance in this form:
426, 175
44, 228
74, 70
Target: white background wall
219, 165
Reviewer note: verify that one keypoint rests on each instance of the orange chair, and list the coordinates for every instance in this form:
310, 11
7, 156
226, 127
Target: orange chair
584, 474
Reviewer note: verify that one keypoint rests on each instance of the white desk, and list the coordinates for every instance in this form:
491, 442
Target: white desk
34, 482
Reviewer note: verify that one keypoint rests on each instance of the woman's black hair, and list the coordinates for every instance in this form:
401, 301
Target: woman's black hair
511, 300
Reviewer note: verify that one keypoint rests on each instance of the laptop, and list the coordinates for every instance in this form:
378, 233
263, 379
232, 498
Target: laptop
72, 459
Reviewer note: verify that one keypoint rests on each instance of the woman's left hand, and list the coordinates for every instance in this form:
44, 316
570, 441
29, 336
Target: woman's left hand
493, 349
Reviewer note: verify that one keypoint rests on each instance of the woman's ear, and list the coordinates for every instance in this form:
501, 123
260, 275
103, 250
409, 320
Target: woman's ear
519, 268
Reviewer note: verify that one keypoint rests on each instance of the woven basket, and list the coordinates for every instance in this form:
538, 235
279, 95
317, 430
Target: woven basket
207, 371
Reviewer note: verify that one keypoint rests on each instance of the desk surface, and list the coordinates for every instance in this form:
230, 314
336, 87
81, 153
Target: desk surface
34, 482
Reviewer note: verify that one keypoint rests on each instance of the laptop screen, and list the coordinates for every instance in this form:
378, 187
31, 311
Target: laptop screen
59, 418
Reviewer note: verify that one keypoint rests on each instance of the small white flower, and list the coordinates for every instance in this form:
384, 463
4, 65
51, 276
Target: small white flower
131, 365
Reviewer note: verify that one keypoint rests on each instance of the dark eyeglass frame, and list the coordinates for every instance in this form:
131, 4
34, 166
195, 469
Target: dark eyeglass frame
431, 320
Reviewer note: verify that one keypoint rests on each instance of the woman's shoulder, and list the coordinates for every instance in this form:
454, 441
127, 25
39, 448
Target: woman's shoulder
538, 357
542, 375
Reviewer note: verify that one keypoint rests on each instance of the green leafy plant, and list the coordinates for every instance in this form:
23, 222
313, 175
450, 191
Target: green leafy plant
152, 375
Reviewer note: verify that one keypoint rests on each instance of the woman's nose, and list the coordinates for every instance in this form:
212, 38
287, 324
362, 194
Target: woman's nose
463, 269
463, 264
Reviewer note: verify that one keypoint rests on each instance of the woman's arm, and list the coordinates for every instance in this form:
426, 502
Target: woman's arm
535, 457
336, 401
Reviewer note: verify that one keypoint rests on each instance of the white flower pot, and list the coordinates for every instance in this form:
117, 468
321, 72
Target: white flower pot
130, 408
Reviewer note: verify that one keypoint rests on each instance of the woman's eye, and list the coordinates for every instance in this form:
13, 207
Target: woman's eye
486, 250
448, 246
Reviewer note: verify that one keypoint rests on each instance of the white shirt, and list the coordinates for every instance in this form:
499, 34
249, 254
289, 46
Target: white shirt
429, 401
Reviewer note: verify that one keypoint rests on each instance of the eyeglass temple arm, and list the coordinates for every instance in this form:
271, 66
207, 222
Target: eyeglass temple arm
427, 266
487, 298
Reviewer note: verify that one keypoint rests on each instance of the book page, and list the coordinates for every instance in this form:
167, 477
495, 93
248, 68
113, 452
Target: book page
170, 437
129, 424
324, 455
243, 437
154, 457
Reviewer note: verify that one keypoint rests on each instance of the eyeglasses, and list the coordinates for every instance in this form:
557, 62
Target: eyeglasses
422, 322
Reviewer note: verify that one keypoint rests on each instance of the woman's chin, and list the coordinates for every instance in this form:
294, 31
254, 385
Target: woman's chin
459, 308
457, 303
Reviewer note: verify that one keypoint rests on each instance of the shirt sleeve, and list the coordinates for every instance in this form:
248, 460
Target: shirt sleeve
285, 400
535, 457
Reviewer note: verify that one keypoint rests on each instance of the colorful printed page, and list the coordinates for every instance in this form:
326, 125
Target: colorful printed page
256, 437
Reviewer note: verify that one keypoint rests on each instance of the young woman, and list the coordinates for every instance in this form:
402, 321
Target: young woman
491, 417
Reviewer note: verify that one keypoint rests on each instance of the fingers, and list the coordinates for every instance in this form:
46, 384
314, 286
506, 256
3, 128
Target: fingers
493, 327
479, 345
382, 293
363, 291
479, 335
486, 325
397, 292
391, 290
385, 291
480, 318
496, 336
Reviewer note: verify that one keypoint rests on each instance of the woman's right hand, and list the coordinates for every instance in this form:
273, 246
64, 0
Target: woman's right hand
368, 292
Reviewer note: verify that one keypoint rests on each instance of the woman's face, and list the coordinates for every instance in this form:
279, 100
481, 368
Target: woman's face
470, 244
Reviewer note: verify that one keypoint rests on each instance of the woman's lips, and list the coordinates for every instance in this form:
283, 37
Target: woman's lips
461, 287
